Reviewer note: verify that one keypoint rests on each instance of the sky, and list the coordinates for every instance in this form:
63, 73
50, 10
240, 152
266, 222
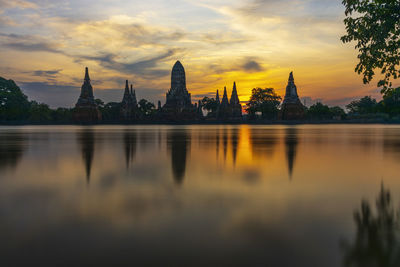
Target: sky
46, 44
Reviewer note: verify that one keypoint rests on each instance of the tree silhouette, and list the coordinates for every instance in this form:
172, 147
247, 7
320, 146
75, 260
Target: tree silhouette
376, 243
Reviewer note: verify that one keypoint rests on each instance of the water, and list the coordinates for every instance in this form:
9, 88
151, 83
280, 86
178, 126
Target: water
189, 195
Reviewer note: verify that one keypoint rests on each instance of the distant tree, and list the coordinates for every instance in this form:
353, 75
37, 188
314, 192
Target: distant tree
111, 112
375, 26
365, 105
146, 108
14, 105
337, 112
391, 102
209, 104
99, 102
39, 112
319, 111
62, 115
265, 101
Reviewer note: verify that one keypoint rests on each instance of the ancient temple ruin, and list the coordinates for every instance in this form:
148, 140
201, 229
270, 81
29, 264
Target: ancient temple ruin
229, 109
129, 107
292, 108
178, 104
86, 109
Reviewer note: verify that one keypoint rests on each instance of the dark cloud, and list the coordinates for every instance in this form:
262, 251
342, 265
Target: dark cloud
147, 68
46, 73
27, 43
252, 66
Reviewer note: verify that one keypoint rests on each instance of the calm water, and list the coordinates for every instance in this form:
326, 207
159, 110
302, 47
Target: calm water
189, 195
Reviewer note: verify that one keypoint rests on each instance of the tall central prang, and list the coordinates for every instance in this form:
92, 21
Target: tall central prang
178, 97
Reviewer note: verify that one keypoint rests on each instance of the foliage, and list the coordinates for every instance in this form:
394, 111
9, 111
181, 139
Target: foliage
209, 104
265, 101
337, 112
146, 108
39, 112
110, 111
377, 238
391, 102
365, 105
375, 26
14, 105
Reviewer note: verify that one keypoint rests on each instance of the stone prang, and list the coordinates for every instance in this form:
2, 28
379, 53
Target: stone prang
292, 108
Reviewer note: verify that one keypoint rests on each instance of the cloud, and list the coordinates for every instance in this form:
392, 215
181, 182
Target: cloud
46, 73
17, 4
252, 66
146, 67
28, 43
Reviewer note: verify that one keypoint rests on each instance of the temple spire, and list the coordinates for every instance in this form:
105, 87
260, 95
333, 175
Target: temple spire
225, 98
87, 74
234, 96
217, 98
126, 87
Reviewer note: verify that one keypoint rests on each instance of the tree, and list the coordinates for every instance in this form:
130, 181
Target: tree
39, 112
14, 105
209, 104
146, 107
111, 111
319, 111
375, 26
365, 105
337, 112
265, 101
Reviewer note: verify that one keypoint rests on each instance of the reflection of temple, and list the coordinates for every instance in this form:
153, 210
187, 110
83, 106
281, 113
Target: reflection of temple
263, 141
291, 142
178, 145
86, 142
86, 110
130, 138
292, 108
235, 136
12, 146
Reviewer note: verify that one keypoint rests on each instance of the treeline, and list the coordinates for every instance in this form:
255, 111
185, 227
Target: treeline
16, 108
264, 104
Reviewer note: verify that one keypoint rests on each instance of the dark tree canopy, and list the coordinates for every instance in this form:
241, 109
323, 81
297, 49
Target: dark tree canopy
265, 101
209, 104
375, 27
365, 105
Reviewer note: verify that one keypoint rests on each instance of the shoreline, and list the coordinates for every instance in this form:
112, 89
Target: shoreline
207, 123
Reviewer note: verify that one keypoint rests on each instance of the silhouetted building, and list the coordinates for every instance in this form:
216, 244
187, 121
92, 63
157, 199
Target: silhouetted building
86, 110
292, 108
229, 109
129, 107
234, 103
178, 105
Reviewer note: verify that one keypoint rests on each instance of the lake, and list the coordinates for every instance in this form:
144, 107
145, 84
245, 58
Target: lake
189, 195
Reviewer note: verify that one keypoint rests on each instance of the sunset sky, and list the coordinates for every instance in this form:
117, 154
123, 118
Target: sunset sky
45, 45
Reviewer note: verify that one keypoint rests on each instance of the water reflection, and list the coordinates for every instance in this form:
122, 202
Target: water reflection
235, 137
178, 145
86, 141
12, 147
130, 140
263, 142
377, 240
291, 142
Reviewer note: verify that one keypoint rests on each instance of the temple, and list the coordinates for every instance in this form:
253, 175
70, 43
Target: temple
229, 109
292, 108
129, 107
178, 105
86, 110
